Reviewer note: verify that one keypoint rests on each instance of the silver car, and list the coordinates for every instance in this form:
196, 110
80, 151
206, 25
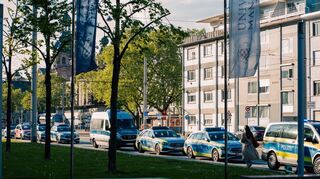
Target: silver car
62, 134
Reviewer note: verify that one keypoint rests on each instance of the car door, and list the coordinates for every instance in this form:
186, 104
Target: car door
288, 145
197, 144
143, 140
310, 144
204, 145
105, 137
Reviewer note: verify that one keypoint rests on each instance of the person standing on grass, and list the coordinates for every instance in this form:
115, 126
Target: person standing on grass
250, 144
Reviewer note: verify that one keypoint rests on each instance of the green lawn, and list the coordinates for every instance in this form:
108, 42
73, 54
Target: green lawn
26, 161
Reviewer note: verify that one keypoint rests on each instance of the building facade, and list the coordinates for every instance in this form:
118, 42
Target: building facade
271, 94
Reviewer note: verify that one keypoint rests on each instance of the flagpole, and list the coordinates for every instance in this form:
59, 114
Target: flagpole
225, 94
72, 91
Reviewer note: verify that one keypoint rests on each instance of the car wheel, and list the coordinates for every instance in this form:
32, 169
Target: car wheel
140, 149
272, 161
215, 155
157, 149
316, 165
309, 169
190, 153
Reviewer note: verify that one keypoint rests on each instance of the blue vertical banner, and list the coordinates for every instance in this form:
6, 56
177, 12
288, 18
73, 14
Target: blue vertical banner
86, 35
244, 36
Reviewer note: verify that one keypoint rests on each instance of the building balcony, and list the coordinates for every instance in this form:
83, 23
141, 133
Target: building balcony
282, 13
268, 2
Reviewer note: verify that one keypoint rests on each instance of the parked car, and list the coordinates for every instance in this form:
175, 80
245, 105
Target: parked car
12, 131
62, 134
100, 138
126, 129
258, 132
211, 145
41, 132
23, 131
280, 145
159, 140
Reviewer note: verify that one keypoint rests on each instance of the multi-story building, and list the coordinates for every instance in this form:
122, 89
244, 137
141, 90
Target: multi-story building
271, 94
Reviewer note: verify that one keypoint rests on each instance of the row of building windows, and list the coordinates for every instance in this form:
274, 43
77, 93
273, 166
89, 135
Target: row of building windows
207, 96
208, 119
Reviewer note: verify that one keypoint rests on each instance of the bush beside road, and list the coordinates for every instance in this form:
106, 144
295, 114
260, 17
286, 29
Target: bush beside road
26, 161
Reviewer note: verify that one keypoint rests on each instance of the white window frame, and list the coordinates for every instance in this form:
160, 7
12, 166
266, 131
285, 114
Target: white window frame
251, 88
191, 75
191, 54
264, 111
264, 86
287, 72
207, 50
316, 57
290, 100
229, 95
205, 96
207, 73
192, 120
208, 119
220, 48
316, 28
191, 98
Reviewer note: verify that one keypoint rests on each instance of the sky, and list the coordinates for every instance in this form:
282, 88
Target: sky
185, 13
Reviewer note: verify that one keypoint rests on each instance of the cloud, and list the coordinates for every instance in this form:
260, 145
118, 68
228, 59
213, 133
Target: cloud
185, 12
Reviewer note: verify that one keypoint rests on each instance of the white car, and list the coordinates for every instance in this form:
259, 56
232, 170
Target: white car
62, 134
100, 138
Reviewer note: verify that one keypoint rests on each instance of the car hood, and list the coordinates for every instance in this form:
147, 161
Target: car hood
231, 143
172, 139
67, 132
127, 131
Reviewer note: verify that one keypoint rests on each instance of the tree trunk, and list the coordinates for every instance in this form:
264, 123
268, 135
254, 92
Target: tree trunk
114, 97
47, 82
9, 110
112, 154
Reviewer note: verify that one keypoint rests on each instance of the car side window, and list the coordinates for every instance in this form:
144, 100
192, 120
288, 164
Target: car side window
146, 134
191, 136
199, 136
290, 131
308, 133
274, 131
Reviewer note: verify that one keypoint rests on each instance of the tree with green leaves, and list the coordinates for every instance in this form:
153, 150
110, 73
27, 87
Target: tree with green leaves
12, 48
123, 15
161, 49
50, 22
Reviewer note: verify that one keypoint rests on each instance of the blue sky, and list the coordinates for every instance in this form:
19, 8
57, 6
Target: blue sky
184, 13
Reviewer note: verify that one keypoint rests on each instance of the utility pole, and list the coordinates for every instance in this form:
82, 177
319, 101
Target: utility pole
145, 112
1, 114
34, 115
225, 93
301, 96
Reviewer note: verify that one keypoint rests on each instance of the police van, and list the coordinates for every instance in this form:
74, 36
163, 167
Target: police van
100, 125
280, 145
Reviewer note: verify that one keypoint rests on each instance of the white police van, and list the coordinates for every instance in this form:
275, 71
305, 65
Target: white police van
100, 125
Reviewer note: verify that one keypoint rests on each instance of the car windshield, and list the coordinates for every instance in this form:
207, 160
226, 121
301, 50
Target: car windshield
63, 129
26, 127
57, 118
125, 124
258, 128
219, 136
42, 128
165, 133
